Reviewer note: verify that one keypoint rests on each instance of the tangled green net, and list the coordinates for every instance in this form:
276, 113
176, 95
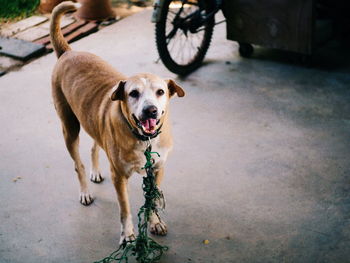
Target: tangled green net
143, 248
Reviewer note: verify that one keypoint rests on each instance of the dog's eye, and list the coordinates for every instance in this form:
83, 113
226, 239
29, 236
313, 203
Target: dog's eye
160, 92
135, 94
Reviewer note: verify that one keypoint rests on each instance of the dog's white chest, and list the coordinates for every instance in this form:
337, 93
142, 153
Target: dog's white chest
140, 159
163, 155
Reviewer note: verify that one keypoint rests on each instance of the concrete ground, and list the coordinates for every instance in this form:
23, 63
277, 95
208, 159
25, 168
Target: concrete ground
260, 166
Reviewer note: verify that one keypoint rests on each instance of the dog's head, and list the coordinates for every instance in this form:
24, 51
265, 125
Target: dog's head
145, 99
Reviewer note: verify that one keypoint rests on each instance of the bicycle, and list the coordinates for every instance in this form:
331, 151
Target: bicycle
184, 29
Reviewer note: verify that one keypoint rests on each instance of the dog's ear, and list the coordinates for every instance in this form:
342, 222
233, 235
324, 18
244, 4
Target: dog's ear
174, 88
118, 91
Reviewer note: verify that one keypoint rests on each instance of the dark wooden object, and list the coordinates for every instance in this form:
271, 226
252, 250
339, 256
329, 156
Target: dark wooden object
65, 31
79, 33
281, 24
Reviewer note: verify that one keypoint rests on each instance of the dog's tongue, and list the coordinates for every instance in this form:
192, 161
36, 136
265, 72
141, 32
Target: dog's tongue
149, 124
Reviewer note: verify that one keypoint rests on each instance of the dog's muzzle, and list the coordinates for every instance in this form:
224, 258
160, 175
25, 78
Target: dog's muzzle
148, 120
148, 126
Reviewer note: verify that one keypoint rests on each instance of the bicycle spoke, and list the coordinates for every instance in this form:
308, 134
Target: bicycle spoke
183, 48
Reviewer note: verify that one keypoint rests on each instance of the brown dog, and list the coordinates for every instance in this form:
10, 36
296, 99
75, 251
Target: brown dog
121, 114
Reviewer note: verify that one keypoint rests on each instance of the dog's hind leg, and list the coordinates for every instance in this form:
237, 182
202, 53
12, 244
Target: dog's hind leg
71, 129
95, 174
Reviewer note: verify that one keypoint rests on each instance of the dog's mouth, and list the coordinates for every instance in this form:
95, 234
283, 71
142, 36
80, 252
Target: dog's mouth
148, 126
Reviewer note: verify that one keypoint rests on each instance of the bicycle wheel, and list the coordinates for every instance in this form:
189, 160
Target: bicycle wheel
183, 35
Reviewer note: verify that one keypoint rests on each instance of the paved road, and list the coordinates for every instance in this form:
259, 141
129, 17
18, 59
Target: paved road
260, 166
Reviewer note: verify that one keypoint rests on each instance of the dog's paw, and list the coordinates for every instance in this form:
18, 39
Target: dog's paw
86, 198
159, 228
96, 177
127, 230
126, 239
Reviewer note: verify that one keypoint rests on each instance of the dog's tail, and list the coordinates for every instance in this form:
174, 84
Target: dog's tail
59, 44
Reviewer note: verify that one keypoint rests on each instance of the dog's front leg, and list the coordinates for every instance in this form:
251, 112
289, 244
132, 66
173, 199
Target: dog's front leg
120, 182
157, 225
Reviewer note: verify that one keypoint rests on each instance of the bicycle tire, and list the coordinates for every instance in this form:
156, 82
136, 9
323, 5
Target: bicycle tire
166, 54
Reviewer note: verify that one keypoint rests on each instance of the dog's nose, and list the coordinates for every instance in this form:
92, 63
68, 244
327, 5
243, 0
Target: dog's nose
150, 111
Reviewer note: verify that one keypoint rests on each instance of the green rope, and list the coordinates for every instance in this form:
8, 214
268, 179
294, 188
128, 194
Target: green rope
144, 248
